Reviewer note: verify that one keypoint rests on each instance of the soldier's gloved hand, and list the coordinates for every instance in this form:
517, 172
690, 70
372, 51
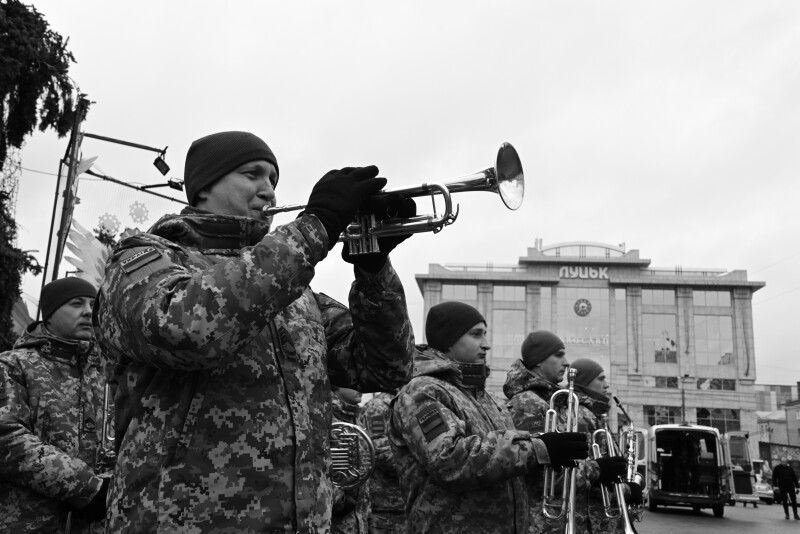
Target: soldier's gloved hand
565, 447
635, 497
96, 509
388, 207
339, 194
611, 469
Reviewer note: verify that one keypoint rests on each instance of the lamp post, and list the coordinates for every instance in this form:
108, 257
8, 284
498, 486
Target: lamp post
683, 397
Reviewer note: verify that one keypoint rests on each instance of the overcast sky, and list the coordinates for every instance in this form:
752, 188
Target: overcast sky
672, 127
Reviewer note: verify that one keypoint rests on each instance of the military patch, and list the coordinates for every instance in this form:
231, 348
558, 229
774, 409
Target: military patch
377, 425
533, 423
432, 423
140, 259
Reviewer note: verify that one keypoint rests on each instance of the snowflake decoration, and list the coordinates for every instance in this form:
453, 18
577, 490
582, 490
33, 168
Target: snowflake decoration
138, 212
109, 224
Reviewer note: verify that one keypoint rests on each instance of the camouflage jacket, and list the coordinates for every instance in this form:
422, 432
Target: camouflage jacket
460, 460
350, 507
51, 409
227, 358
384, 485
528, 401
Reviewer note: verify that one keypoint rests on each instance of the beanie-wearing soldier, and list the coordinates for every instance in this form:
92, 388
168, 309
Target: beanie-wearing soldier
593, 393
225, 355
51, 418
386, 501
350, 506
460, 460
530, 384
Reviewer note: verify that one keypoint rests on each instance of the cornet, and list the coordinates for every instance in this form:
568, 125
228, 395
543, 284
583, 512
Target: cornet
505, 178
612, 511
552, 508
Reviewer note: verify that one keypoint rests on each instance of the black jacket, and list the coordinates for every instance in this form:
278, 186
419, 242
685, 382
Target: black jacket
784, 477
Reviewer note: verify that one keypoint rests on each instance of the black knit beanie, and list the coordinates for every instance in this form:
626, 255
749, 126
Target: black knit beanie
59, 292
213, 156
587, 369
538, 346
449, 321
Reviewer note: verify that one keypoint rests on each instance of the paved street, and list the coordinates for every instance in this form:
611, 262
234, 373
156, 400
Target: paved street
764, 519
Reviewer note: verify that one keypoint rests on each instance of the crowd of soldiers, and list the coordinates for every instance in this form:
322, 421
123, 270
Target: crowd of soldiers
226, 371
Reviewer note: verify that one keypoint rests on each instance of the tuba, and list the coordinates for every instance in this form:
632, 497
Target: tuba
352, 455
552, 506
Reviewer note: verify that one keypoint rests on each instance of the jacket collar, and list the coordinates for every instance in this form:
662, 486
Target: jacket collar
204, 230
52, 347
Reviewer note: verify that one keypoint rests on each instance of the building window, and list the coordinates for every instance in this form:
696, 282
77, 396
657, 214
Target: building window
665, 297
506, 334
545, 310
662, 415
659, 336
670, 382
460, 292
621, 324
723, 419
712, 298
509, 293
713, 339
725, 384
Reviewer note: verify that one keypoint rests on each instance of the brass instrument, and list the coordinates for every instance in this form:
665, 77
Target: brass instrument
632, 474
552, 507
505, 178
618, 508
105, 456
352, 455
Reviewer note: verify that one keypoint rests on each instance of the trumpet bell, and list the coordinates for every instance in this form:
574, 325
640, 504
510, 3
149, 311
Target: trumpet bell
510, 179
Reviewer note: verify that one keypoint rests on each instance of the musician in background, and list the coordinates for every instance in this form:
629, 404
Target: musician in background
387, 504
51, 418
460, 460
594, 395
530, 383
350, 506
226, 356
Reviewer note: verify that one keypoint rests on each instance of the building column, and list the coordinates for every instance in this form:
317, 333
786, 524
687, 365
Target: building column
743, 332
687, 363
533, 301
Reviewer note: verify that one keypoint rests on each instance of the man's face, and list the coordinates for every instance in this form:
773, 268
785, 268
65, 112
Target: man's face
600, 385
554, 367
243, 192
73, 320
471, 347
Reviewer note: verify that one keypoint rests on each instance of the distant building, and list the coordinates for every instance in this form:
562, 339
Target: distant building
772, 426
771, 397
677, 344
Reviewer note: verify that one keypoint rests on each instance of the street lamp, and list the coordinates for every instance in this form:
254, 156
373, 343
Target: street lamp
683, 397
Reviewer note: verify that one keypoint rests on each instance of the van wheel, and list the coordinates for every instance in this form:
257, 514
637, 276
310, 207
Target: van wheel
719, 510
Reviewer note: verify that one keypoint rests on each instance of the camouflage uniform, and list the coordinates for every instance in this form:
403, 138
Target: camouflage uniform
529, 399
350, 507
227, 358
387, 503
460, 461
51, 410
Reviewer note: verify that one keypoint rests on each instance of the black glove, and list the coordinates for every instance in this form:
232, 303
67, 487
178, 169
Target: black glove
611, 469
635, 497
565, 447
339, 194
96, 509
384, 207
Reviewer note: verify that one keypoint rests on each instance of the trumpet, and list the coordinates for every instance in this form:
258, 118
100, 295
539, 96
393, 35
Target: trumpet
505, 179
552, 507
352, 455
617, 509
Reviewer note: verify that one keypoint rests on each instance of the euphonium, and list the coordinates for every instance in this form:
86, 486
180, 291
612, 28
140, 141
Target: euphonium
552, 508
352, 455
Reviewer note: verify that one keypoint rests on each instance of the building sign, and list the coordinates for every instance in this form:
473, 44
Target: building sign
593, 273
597, 340
582, 307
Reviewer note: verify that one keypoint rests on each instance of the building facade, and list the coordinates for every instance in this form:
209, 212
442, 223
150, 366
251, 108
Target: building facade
677, 344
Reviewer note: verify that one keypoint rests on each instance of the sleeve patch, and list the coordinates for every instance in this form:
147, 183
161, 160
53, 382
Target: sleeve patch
140, 259
432, 423
533, 423
377, 425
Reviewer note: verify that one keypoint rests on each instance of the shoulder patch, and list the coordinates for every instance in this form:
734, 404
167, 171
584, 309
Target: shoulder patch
377, 426
139, 259
432, 423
